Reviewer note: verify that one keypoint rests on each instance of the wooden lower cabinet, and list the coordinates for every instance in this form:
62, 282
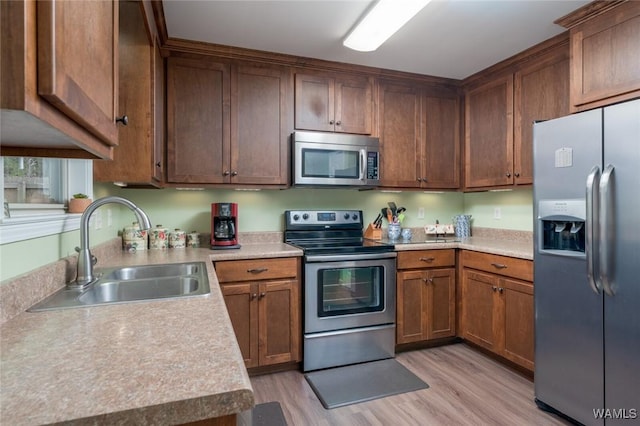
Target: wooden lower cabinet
265, 313
497, 310
425, 296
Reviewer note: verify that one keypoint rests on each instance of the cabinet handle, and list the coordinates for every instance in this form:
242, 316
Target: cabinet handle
427, 259
124, 120
500, 289
338, 123
517, 174
508, 174
424, 179
419, 179
257, 270
253, 296
331, 122
262, 295
158, 164
494, 288
499, 265
234, 173
226, 173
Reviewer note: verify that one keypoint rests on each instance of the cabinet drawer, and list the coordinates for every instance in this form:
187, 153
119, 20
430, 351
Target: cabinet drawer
426, 259
256, 269
501, 265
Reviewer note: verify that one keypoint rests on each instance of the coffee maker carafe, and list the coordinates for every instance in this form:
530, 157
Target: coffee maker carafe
224, 226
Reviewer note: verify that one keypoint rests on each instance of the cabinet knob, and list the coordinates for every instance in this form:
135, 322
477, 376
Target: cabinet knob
500, 289
338, 123
419, 179
517, 174
226, 173
508, 174
331, 122
158, 164
234, 173
494, 288
124, 120
424, 179
253, 296
262, 295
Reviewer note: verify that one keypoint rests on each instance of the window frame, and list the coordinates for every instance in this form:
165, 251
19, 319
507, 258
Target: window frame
77, 176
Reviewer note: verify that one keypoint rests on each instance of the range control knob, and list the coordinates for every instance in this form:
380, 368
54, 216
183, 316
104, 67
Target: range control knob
305, 216
355, 216
346, 215
296, 217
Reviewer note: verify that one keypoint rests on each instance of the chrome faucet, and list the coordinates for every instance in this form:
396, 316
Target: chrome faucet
85, 259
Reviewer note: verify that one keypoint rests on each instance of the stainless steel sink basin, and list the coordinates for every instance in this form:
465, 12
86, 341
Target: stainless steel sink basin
133, 284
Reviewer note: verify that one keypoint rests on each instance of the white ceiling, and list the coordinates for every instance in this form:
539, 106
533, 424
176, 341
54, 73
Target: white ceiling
448, 38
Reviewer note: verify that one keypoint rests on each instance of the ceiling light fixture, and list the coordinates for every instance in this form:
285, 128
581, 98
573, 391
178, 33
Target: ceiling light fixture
381, 22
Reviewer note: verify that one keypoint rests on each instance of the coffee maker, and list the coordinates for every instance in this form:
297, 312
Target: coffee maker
224, 226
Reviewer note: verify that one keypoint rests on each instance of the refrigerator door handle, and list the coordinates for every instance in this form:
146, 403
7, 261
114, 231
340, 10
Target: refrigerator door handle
606, 229
591, 225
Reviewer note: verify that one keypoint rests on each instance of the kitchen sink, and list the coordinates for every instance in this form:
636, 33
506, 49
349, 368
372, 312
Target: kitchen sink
133, 284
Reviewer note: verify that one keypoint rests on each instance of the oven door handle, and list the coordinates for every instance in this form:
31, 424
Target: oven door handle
342, 257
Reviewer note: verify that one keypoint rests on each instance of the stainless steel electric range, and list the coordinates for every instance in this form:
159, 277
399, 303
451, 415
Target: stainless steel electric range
349, 288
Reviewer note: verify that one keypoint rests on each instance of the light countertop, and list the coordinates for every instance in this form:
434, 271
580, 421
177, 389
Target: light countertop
157, 362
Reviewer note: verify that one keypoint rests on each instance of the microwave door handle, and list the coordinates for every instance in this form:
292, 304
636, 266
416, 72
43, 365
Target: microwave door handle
606, 229
591, 227
363, 163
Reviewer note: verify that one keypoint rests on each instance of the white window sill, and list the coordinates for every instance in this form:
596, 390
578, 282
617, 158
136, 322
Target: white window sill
26, 228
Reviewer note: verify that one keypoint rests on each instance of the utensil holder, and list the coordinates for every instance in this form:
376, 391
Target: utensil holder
373, 233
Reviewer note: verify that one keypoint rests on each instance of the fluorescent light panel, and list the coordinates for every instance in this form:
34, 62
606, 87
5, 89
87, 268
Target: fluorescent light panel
382, 21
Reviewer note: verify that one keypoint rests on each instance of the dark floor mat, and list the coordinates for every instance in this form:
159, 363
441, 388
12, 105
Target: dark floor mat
336, 387
268, 414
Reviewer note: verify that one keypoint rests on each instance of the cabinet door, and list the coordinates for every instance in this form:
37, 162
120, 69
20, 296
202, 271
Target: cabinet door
441, 303
605, 68
259, 126
479, 321
133, 158
400, 136
489, 134
314, 103
198, 140
241, 300
411, 306
517, 297
541, 93
353, 99
158, 109
81, 82
440, 157
279, 323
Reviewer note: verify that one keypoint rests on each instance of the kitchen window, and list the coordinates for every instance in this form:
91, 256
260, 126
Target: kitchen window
35, 191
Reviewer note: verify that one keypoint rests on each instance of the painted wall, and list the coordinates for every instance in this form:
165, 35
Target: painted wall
263, 211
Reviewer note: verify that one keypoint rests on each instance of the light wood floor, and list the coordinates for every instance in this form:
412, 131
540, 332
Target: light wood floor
466, 388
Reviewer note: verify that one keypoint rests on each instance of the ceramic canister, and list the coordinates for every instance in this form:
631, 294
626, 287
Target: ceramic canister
177, 239
159, 238
193, 239
133, 238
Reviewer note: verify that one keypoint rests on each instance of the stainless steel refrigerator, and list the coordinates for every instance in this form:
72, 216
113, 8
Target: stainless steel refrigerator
587, 265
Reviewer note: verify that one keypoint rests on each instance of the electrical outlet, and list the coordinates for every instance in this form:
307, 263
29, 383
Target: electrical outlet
421, 213
109, 218
497, 213
97, 220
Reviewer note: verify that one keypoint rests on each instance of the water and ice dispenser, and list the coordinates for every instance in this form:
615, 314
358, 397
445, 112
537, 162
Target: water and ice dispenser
562, 227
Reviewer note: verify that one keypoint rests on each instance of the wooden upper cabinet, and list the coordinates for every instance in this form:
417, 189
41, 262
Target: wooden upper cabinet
59, 74
333, 103
541, 92
489, 134
420, 137
80, 80
605, 53
400, 135
441, 149
260, 125
198, 121
138, 158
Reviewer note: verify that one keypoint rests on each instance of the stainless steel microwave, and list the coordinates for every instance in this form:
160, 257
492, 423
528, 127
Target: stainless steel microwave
335, 159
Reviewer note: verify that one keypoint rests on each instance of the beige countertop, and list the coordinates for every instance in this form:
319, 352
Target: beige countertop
157, 362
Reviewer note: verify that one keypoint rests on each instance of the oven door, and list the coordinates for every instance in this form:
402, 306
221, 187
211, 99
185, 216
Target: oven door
349, 291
